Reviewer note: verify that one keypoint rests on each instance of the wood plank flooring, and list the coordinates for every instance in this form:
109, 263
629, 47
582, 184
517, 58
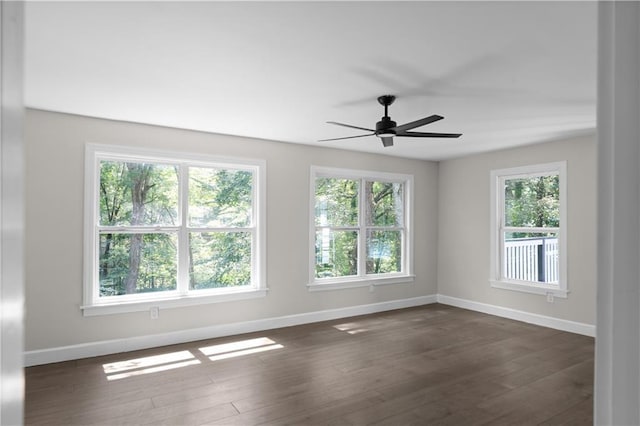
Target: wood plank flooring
434, 364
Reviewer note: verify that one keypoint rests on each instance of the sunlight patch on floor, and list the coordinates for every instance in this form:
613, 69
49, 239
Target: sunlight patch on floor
148, 365
240, 348
169, 361
351, 328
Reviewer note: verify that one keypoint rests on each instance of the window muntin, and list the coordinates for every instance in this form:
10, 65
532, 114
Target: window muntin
359, 227
529, 236
163, 227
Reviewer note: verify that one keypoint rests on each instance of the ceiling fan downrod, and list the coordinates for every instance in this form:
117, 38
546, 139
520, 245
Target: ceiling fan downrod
386, 100
384, 126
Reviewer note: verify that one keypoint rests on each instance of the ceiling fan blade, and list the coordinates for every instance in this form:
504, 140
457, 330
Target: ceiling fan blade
429, 135
346, 137
387, 141
418, 123
350, 126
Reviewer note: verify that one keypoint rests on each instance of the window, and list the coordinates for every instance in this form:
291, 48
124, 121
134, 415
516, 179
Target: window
360, 230
167, 229
528, 229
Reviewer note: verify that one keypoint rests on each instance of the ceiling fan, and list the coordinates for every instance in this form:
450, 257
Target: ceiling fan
386, 128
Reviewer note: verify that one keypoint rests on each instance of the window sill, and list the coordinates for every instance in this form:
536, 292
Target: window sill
168, 303
334, 284
530, 288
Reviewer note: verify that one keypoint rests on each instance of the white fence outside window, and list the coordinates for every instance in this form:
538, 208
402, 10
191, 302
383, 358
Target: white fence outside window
532, 259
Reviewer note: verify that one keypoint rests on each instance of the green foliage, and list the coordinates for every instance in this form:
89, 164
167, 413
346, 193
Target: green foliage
157, 270
336, 202
384, 252
384, 203
336, 253
219, 197
532, 202
146, 195
119, 181
219, 259
337, 206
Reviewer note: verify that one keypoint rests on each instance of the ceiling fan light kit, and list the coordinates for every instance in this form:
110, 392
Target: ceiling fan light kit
387, 129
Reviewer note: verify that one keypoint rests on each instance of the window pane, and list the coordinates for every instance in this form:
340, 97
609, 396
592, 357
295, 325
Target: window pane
531, 257
219, 259
532, 201
384, 252
336, 253
384, 203
138, 194
336, 202
137, 263
220, 198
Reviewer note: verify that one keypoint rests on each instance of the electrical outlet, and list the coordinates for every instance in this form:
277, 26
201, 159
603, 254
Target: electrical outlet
154, 312
371, 288
550, 297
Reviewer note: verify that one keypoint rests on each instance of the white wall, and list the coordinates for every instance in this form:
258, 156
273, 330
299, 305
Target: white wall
463, 240
54, 195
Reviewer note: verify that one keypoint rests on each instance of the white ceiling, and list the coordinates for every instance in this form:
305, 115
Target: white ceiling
501, 73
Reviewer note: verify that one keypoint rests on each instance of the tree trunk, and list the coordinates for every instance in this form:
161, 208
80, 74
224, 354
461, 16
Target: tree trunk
540, 193
139, 175
135, 251
104, 267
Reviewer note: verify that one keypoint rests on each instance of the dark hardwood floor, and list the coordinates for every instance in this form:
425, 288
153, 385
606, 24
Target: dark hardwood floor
428, 365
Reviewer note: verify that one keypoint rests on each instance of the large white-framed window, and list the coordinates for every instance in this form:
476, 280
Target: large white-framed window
167, 229
529, 229
360, 228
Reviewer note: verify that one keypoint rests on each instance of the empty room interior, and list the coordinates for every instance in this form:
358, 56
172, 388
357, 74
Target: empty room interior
323, 213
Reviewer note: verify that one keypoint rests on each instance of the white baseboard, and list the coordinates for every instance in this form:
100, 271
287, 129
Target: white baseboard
545, 321
85, 350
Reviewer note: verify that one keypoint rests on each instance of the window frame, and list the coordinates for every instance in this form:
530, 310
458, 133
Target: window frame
362, 279
497, 228
182, 296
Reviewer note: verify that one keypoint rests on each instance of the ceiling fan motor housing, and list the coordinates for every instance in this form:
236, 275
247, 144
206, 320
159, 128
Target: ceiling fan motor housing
384, 125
